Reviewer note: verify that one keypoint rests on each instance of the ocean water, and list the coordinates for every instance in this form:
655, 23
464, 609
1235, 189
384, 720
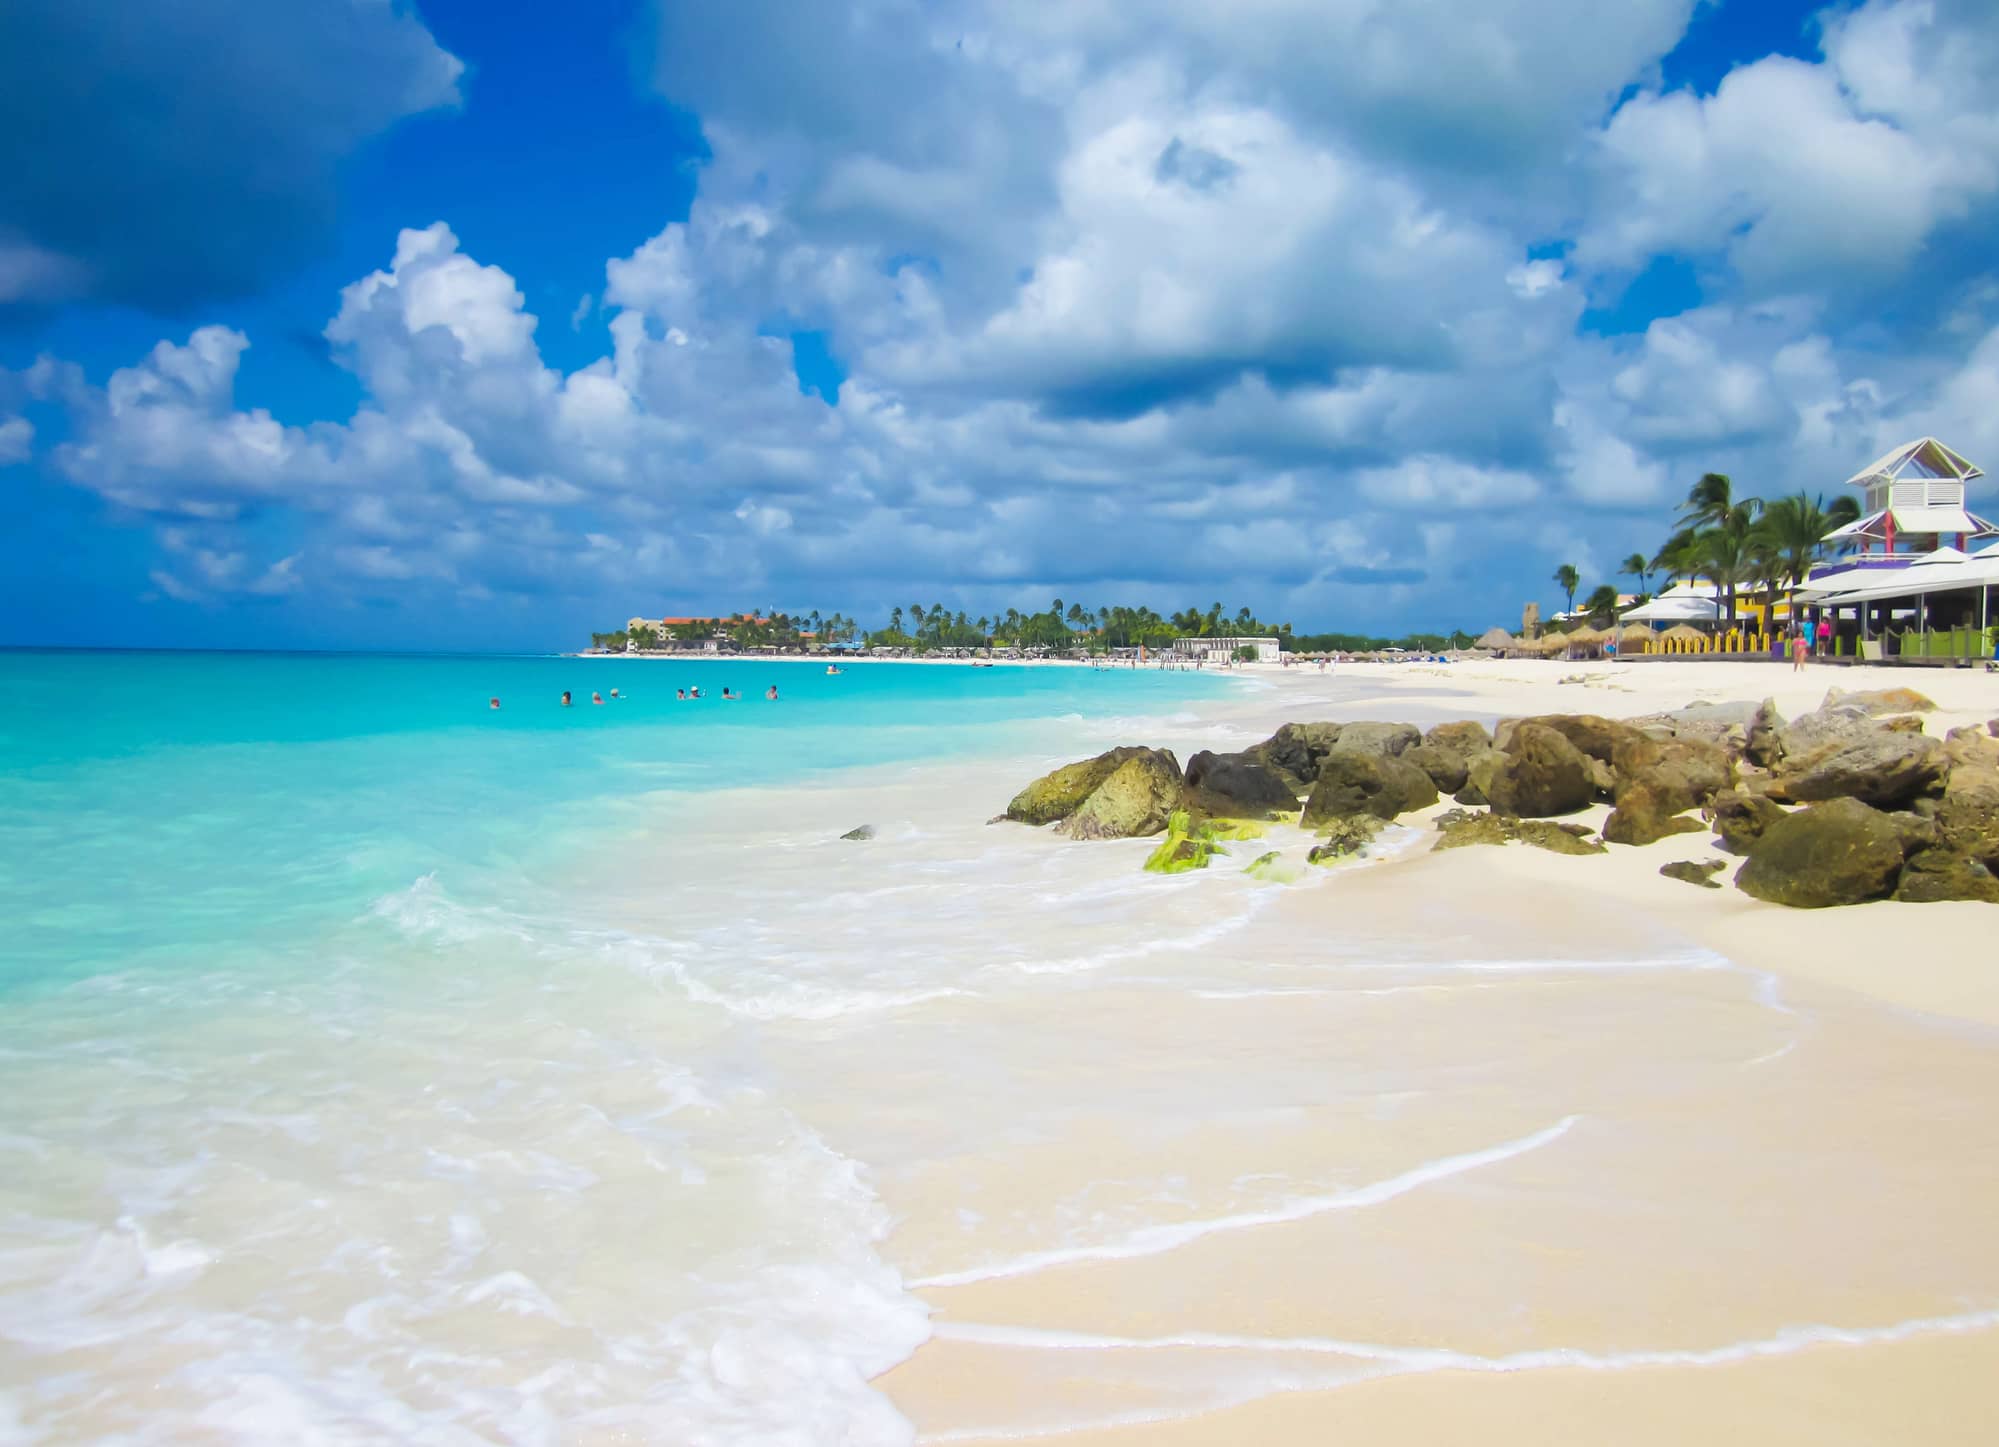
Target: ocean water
377, 1065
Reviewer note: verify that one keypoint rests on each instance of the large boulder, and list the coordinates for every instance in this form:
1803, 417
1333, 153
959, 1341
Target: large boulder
1884, 767
1678, 773
1967, 815
1366, 783
1726, 724
1057, 795
1764, 737
1934, 875
1540, 774
1463, 738
1740, 817
1445, 768
1294, 751
1480, 765
1645, 814
1138, 798
1879, 702
1377, 738
1590, 734
1236, 786
1839, 852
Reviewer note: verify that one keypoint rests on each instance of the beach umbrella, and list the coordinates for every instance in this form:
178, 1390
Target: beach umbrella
1586, 634
1495, 638
1635, 633
1683, 633
1551, 643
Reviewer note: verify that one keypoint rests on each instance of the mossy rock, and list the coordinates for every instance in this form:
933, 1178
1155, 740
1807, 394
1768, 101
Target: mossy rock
1230, 831
1690, 872
1465, 829
1273, 868
1058, 794
1348, 837
1136, 799
1558, 838
1179, 853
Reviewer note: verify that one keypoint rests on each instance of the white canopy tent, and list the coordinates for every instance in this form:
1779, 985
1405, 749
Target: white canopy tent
1674, 610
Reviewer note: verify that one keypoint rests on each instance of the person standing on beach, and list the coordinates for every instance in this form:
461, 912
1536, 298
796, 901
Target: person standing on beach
1825, 636
1799, 647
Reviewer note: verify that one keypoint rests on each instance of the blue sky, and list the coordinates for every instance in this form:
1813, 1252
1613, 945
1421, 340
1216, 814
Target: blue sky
354, 324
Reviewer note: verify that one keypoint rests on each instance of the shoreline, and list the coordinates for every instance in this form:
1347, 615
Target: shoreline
1842, 992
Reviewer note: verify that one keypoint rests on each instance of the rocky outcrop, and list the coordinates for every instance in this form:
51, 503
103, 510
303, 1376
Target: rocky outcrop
1540, 774
1057, 795
1480, 765
1294, 752
1933, 876
1740, 817
1138, 798
1588, 733
1376, 738
1701, 874
865, 831
1838, 852
1883, 767
1678, 773
1236, 786
1366, 783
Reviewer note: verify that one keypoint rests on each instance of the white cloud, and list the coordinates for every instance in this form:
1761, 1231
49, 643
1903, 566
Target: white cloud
17, 440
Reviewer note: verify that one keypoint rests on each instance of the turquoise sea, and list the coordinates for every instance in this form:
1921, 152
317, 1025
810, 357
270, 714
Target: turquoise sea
376, 1065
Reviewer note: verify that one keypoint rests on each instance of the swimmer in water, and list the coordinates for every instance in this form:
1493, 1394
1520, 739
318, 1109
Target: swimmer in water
596, 698
694, 693
565, 698
771, 693
727, 697
614, 693
492, 703
681, 694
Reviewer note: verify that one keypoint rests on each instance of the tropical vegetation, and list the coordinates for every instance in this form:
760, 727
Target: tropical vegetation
1735, 544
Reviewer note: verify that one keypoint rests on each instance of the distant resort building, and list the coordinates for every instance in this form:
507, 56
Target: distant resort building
687, 635
1215, 650
1915, 498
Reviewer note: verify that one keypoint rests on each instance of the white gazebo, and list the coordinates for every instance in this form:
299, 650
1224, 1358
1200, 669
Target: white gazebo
1680, 603
1915, 493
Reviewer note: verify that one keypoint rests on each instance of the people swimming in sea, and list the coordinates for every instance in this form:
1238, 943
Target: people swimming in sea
681, 694
565, 698
727, 697
614, 693
492, 703
771, 693
596, 698
831, 669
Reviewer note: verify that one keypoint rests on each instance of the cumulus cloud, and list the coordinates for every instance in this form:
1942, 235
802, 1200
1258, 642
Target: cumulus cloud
17, 440
1828, 173
184, 151
1284, 303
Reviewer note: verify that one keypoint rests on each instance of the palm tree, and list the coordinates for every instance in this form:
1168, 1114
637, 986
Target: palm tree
1602, 603
1568, 580
1845, 511
1710, 500
1726, 557
1639, 568
1791, 534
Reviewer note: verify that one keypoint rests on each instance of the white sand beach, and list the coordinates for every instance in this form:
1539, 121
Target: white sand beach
1492, 1143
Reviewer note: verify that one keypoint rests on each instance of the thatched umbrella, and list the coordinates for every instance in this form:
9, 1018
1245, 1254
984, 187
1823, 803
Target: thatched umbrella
1635, 633
1495, 638
1682, 633
1586, 635
1551, 644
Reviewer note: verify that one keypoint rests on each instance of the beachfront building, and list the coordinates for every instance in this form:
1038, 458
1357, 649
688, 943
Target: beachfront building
1922, 594
1914, 503
689, 635
1222, 649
